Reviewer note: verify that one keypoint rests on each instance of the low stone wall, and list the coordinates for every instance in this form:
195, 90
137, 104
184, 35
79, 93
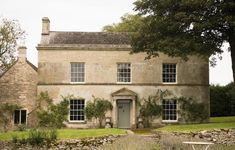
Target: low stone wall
75, 144
217, 136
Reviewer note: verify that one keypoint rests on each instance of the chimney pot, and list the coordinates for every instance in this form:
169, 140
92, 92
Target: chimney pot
45, 26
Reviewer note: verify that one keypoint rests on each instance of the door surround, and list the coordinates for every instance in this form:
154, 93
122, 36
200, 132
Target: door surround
124, 94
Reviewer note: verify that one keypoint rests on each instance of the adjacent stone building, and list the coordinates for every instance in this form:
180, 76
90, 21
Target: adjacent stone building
18, 85
84, 64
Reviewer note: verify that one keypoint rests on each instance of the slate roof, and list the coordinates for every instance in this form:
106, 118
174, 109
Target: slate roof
56, 37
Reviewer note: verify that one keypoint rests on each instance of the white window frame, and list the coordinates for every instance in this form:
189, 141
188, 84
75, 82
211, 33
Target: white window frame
170, 121
76, 110
176, 72
73, 82
124, 63
20, 116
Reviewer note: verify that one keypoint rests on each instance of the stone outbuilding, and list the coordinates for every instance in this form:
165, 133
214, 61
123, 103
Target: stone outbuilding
18, 85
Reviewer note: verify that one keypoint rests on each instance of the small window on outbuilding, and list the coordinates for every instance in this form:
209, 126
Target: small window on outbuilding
20, 116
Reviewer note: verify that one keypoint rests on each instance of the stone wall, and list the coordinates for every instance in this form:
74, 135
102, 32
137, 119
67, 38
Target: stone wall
19, 86
101, 75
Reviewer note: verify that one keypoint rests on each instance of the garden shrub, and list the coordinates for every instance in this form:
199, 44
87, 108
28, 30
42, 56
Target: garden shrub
192, 111
54, 115
151, 107
37, 137
97, 109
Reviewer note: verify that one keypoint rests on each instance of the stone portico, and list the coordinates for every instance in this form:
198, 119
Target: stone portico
129, 97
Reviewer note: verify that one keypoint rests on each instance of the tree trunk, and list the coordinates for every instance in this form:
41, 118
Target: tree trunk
232, 47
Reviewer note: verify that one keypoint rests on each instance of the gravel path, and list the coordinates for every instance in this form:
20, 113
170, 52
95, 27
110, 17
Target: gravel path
132, 142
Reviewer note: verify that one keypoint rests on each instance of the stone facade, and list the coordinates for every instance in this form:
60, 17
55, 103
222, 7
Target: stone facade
101, 52
19, 86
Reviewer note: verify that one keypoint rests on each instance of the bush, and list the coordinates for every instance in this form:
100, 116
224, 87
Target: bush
222, 100
55, 114
97, 109
151, 107
21, 127
191, 111
37, 137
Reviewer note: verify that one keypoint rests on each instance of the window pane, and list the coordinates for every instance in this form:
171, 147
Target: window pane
16, 117
77, 110
169, 73
124, 72
169, 110
23, 116
77, 72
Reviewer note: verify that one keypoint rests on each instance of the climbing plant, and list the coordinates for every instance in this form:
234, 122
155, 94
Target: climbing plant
151, 106
97, 109
6, 114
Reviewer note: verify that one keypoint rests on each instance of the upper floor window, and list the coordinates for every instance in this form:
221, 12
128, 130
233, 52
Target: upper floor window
20, 116
169, 73
76, 111
124, 72
78, 72
169, 108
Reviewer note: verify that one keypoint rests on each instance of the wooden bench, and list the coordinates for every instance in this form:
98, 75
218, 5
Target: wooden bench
194, 144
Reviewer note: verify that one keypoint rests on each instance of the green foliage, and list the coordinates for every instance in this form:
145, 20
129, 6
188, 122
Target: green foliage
192, 111
6, 114
55, 114
21, 127
222, 100
129, 23
37, 137
181, 28
151, 107
97, 109
10, 36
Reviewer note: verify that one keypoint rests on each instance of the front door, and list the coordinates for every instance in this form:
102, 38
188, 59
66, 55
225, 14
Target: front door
124, 114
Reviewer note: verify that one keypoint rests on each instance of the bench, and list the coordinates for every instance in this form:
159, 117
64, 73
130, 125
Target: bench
194, 144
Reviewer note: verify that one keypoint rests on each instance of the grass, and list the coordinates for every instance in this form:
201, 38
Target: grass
83, 133
68, 133
215, 123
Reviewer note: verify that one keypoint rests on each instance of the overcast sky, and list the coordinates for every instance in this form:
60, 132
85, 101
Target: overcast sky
81, 15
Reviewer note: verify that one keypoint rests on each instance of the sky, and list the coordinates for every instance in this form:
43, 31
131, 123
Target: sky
81, 15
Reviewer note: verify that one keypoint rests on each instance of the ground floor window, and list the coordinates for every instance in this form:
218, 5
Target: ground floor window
76, 112
20, 116
169, 108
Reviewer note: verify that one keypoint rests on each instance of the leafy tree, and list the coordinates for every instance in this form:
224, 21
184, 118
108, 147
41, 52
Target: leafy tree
97, 109
151, 107
6, 114
129, 23
186, 27
10, 35
222, 100
55, 114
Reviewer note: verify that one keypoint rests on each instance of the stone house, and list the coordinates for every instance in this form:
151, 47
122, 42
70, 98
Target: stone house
83, 64
18, 85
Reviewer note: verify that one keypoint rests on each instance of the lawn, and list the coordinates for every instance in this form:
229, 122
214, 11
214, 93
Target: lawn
215, 123
69, 133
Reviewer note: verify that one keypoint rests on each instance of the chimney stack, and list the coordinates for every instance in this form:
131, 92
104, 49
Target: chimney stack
45, 26
22, 53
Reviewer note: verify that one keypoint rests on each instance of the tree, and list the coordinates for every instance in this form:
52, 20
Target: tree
129, 23
10, 36
97, 109
180, 28
6, 114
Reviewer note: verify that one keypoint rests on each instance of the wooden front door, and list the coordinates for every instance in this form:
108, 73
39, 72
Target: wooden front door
124, 114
